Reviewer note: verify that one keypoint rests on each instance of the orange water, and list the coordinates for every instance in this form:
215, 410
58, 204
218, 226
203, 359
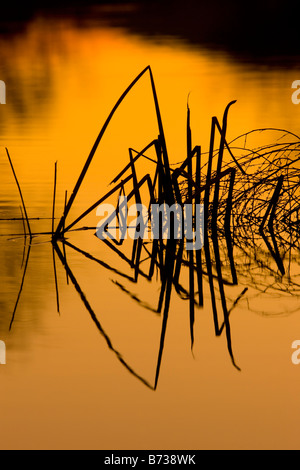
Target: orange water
62, 387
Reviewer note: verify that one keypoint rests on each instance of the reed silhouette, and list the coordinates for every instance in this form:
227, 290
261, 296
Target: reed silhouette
251, 196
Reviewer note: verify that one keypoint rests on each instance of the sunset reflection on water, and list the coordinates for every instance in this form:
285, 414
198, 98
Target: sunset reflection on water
62, 386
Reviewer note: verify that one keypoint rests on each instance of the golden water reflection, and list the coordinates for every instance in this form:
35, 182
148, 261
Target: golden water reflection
62, 386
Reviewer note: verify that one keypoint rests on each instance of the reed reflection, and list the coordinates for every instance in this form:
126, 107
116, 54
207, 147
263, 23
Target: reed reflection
251, 215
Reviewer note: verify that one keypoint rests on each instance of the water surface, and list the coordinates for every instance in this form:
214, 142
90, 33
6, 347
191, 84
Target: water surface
64, 385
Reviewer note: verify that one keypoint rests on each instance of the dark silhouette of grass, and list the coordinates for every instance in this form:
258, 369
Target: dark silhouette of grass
54, 196
20, 192
94, 317
21, 286
220, 213
168, 257
251, 195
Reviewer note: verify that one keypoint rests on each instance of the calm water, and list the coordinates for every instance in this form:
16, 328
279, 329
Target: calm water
64, 385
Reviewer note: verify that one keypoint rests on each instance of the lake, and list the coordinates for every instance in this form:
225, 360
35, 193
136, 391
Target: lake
83, 340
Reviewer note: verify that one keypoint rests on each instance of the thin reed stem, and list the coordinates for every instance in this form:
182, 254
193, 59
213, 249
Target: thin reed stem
20, 192
54, 196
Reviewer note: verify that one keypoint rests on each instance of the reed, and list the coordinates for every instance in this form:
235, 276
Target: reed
220, 214
20, 192
54, 197
94, 318
253, 194
21, 287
